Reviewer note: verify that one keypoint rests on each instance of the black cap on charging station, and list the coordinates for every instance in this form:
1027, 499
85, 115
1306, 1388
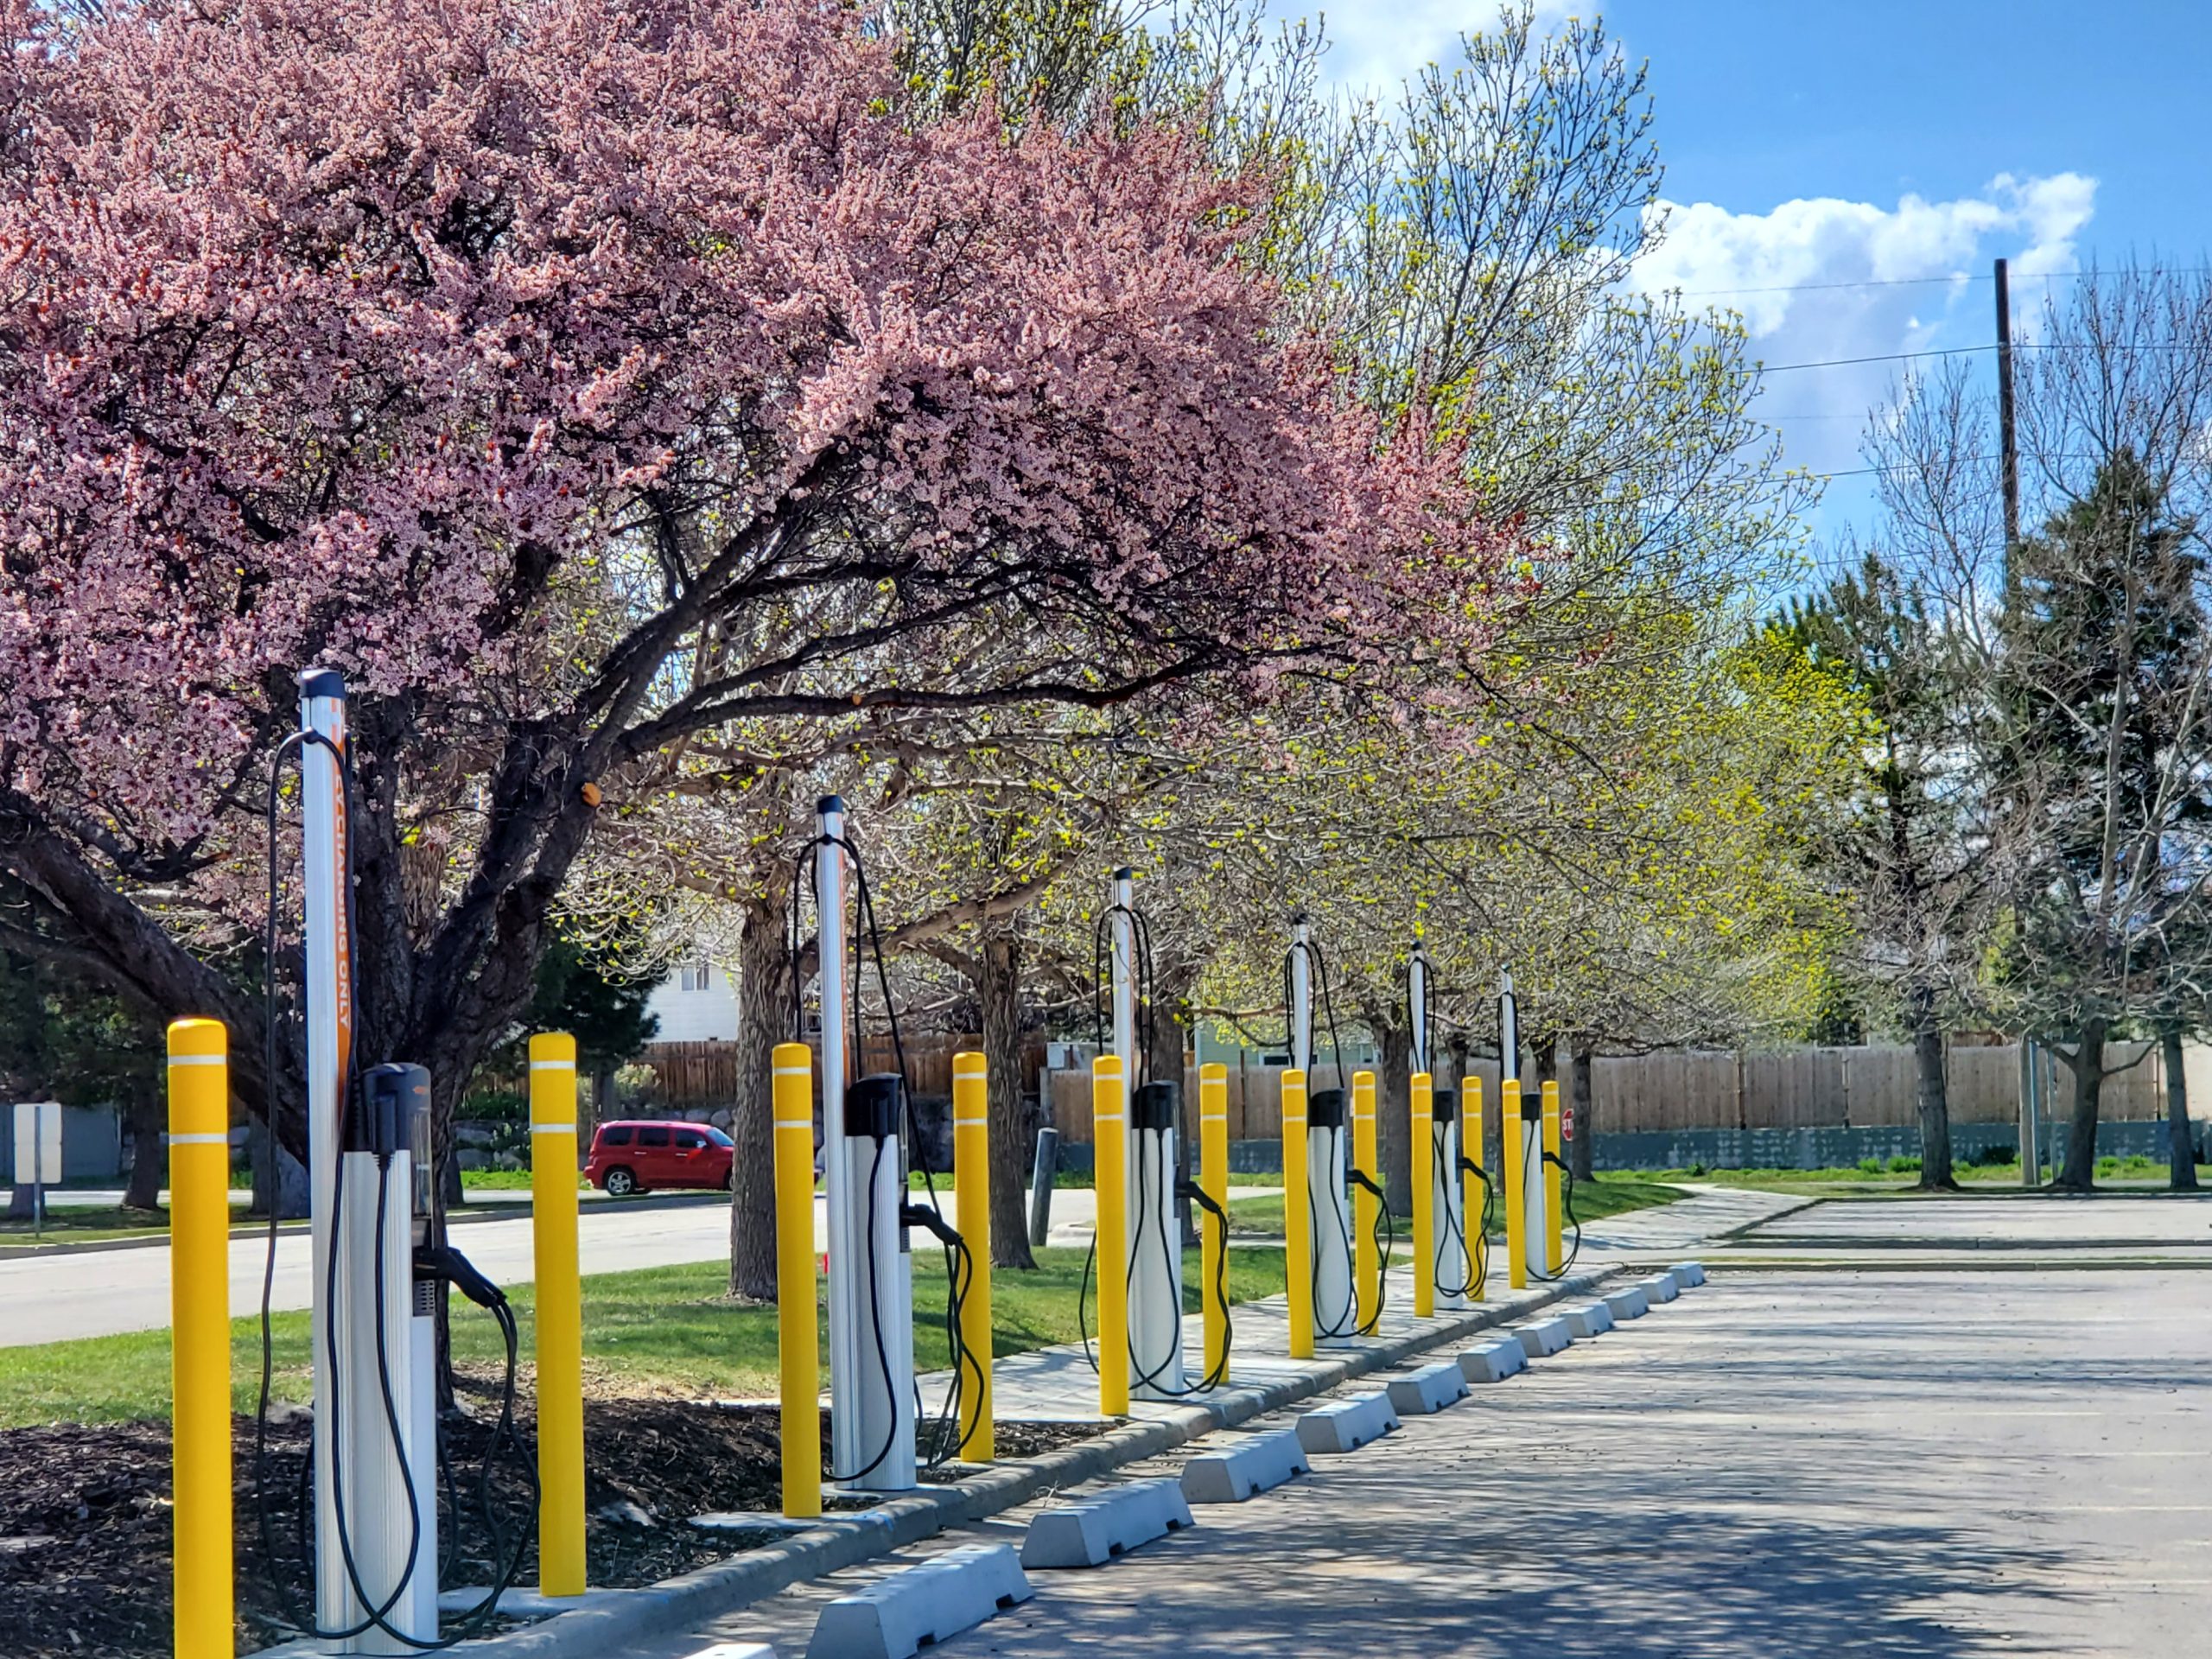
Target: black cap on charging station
1324, 1109
874, 1105
1157, 1106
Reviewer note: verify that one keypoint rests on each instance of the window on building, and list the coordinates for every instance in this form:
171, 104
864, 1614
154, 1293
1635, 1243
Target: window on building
697, 977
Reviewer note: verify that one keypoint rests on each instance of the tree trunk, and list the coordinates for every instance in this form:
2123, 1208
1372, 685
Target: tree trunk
764, 1011
1580, 1063
148, 1162
2086, 1063
2181, 1147
290, 1181
599, 1103
1012, 1118
1393, 1123
1933, 1097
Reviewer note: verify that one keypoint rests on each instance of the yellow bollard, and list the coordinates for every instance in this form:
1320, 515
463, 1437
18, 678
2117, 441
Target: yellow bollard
1297, 1225
1423, 1103
1213, 1181
560, 1324
1366, 1255
1510, 1154
1109, 1151
200, 1354
1554, 1249
1472, 1188
971, 1191
798, 1336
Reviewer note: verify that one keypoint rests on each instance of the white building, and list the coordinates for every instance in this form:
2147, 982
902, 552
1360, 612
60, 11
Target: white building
696, 1003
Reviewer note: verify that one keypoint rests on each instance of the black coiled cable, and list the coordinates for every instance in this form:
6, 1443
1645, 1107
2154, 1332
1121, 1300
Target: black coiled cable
960, 1409
378, 1614
1566, 1204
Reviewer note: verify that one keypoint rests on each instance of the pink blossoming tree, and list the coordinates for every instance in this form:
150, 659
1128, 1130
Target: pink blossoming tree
589, 378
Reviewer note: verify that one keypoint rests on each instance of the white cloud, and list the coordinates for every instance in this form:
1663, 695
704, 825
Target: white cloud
1738, 259
1825, 278
1378, 43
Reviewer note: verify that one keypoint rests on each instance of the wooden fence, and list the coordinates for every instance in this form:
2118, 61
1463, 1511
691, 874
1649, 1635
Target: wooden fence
1857, 1088
689, 1076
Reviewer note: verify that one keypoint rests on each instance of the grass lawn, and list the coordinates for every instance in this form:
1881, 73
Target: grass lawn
1602, 1195
659, 1330
503, 1180
86, 1224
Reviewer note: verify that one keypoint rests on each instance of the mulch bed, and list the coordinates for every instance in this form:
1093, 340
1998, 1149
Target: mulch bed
85, 1513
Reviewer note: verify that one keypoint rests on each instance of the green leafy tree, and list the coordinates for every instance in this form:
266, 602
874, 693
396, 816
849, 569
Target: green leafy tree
1910, 854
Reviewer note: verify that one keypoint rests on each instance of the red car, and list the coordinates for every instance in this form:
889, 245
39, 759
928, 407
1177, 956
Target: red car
634, 1157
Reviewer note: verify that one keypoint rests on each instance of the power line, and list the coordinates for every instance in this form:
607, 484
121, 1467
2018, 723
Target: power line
1921, 281
1969, 351
1879, 356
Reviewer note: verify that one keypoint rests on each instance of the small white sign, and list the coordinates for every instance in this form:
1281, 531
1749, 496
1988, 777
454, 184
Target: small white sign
38, 1142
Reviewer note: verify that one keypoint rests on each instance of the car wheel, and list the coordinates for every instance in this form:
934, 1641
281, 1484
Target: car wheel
622, 1183
729, 1179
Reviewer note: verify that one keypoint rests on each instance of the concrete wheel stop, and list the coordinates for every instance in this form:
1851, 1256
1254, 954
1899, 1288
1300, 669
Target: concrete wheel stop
921, 1605
1428, 1389
1347, 1425
1254, 1465
1093, 1531
1493, 1362
1630, 1304
1541, 1339
1588, 1319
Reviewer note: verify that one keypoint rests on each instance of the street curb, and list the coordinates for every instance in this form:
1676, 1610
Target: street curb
259, 1230
612, 1626
1734, 1233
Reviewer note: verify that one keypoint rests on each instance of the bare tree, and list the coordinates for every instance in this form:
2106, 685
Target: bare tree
2089, 645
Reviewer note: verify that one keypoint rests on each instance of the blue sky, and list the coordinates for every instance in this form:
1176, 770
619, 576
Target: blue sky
1825, 144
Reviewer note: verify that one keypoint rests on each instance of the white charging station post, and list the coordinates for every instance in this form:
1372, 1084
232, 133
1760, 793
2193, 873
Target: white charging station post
1334, 1312
1447, 1230
1529, 1147
366, 1290
871, 1298
1156, 1266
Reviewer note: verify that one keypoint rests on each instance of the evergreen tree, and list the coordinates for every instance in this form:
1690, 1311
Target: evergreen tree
2098, 771
1910, 856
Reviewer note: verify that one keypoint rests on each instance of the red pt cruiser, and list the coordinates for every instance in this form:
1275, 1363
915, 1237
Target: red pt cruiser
636, 1157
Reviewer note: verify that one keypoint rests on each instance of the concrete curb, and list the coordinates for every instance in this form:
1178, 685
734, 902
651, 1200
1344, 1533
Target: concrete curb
631, 1616
258, 1230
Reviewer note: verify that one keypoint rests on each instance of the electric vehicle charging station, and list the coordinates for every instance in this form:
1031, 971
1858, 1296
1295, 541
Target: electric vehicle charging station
378, 1257
871, 1270
1336, 1311
1154, 1271
1529, 1148
1451, 1273
375, 1444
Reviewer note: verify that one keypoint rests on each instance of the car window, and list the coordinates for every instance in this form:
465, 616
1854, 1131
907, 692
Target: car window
720, 1138
617, 1136
652, 1135
690, 1139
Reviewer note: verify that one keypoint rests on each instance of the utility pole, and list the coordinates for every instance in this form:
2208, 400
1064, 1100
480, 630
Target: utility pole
2008, 446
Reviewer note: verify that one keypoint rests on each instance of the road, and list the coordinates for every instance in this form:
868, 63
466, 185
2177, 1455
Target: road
1943, 1464
102, 1292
